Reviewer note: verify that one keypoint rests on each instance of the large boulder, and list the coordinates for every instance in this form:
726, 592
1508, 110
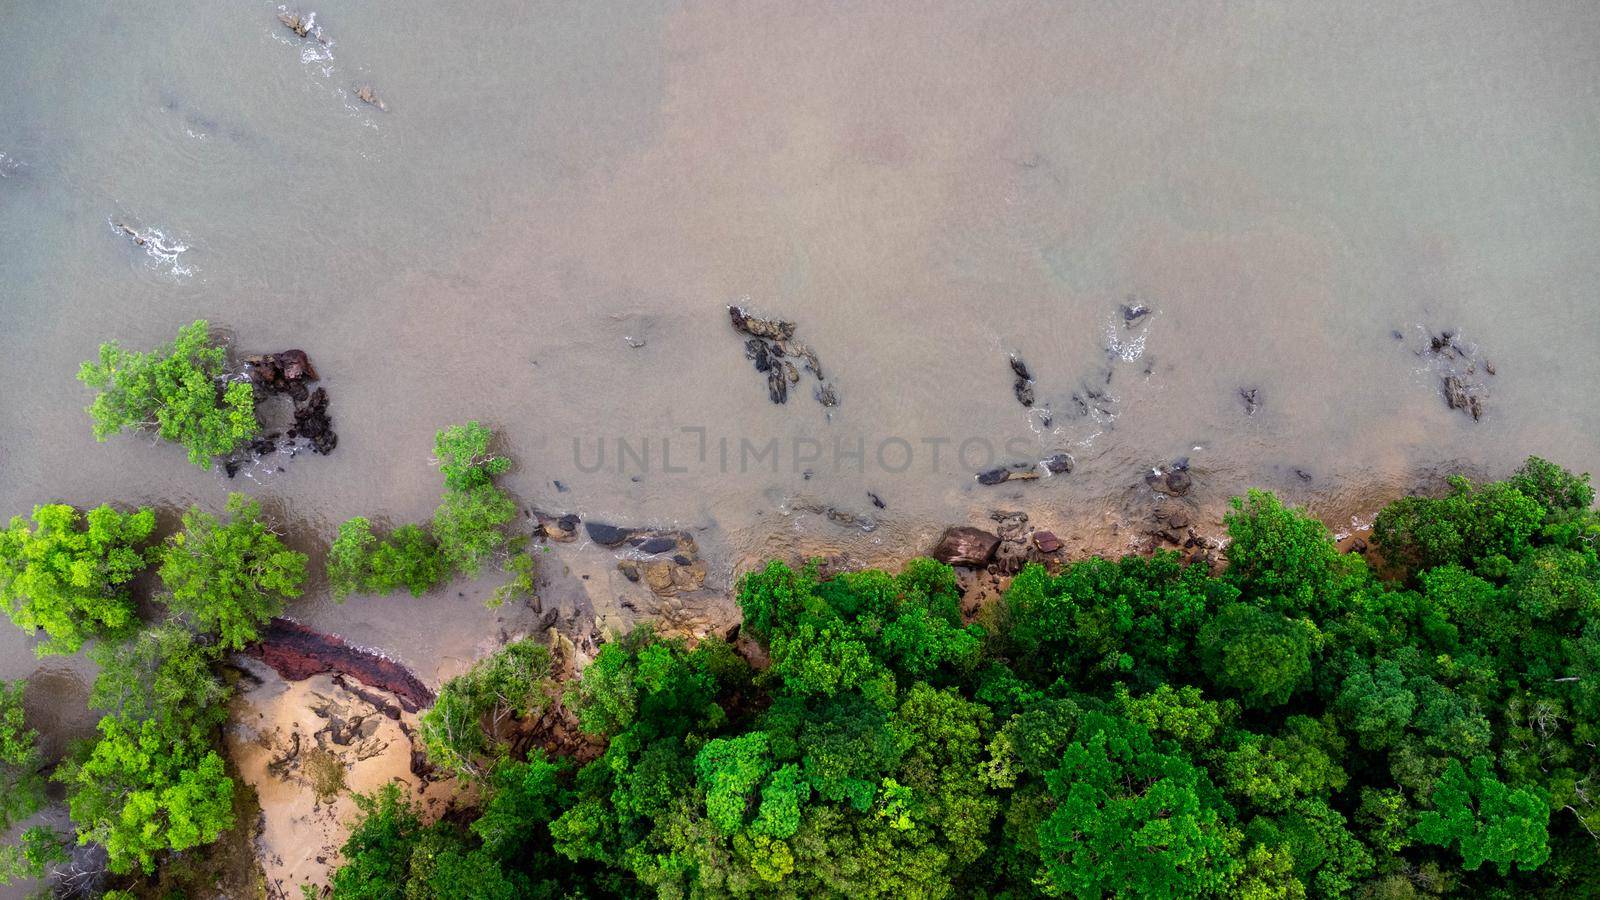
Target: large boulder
965, 546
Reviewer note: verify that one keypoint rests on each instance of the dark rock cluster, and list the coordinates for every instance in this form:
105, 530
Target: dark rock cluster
1023, 386
1004, 551
666, 562
289, 374
773, 349
1463, 370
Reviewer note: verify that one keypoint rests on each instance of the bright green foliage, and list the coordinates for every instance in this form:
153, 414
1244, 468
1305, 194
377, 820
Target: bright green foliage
39, 847
1292, 728
181, 389
152, 782
1280, 553
1553, 487
1262, 655
1488, 526
361, 563
731, 769
377, 854
233, 576
72, 582
21, 782
1486, 820
469, 526
461, 730
464, 457
1131, 821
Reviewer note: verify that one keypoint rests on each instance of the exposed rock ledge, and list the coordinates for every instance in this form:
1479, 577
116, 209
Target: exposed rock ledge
297, 652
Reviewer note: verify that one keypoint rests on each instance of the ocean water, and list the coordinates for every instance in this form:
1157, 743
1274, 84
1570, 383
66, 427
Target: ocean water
544, 229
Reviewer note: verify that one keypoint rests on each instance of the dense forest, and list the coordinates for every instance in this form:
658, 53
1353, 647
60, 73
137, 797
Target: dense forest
1301, 723
1295, 726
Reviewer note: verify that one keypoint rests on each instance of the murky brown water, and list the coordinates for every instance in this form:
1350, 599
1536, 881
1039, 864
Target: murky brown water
924, 191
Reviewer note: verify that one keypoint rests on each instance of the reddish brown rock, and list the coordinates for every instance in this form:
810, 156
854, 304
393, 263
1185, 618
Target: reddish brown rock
297, 652
1046, 541
965, 546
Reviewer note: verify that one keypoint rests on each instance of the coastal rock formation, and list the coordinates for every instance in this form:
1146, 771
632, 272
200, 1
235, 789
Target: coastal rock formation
1459, 393
288, 374
771, 346
965, 546
297, 652
666, 562
1463, 371
836, 515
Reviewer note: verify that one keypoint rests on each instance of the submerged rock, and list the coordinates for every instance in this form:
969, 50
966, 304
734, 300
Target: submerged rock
1003, 474
607, 535
1252, 400
1173, 478
777, 385
965, 546
1023, 387
757, 350
367, 95
1462, 371
295, 23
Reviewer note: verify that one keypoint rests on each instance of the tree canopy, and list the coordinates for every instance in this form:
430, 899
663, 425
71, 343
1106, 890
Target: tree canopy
181, 390
71, 581
230, 576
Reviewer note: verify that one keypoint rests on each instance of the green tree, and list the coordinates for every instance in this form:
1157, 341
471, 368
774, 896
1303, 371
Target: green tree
1130, 821
1486, 820
469, 526
38, 848
181, 389
360, 562
1488, 527
377, 854
462, 730
152, 781
232, 576
21, 779
464, 458
70, 581
1262, 655
1280, 552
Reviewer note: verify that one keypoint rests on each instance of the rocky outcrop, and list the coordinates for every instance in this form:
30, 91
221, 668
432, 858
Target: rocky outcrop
289, 374
1462, 369
772, 347
965, 546
297, 652
367, 95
